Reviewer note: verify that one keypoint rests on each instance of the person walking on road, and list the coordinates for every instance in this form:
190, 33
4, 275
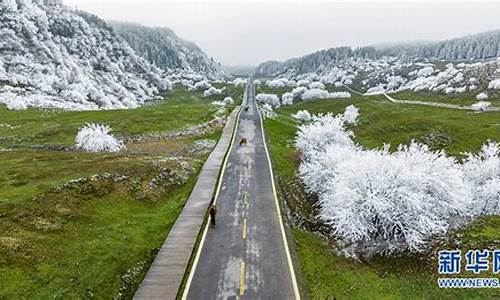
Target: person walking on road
213, 212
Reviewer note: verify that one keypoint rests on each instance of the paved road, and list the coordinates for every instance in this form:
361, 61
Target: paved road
245, 256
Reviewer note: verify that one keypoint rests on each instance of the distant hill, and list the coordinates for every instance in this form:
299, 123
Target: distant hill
482, 46
163, 48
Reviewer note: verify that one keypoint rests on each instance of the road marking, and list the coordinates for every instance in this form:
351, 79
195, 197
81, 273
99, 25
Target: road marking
285, 243
242, 278
245, 228
200, 247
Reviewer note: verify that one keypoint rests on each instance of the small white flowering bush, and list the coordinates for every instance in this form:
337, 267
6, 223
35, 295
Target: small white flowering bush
97, 138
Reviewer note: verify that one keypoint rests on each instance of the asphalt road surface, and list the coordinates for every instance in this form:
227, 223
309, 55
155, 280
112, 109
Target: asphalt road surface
245, 256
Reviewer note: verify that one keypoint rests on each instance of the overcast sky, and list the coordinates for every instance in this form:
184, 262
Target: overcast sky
247, 33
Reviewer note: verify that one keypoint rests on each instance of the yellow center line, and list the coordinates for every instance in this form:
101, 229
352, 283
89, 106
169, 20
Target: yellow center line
244, 228
242, 278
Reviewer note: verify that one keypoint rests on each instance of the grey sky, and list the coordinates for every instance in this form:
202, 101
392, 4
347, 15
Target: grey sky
242, 32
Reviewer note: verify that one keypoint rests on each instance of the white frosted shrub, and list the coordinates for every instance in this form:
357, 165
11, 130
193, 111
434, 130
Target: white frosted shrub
287, 99
212, 91
317, 85
340, 95
494, 84
280, 83
379, 202
324, 130
384, 203
483, 171
16, 104
482, 96
228, 101
97, 138
298, 91
200, 86
267, 110
481, 105
302, 115
241, 82
270, 99
351, 115
315, 94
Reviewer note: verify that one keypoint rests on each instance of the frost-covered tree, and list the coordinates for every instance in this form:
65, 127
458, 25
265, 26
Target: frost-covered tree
481, 105
351, 115
382, 202
302, 115
287, 99
97, 138
212, 91
483, 171
270, 99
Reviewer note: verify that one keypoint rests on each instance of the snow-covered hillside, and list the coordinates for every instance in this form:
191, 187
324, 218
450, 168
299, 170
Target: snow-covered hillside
453, 66
52, 56
163, 48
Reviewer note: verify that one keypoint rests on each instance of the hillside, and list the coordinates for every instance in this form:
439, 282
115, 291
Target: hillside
52, 56
450, 67
164, 49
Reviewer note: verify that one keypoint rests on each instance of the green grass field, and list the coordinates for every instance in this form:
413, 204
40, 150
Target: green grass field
97, 236
328, 275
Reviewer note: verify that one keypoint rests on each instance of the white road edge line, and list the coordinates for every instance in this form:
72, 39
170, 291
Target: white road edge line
285, 243
200, 247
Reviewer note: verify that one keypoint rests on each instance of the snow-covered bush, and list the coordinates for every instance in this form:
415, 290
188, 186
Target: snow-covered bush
14, 103
317, 85
270, 99
287, 99
483, 171
340, 95
298, 91
240, 82
494, 84
382, 202
481, 105
302, 115
97, 138
212, 91
315, 94
386, 202
200, 86
426, 71
267, 110
482, 96
280, 83
351, 115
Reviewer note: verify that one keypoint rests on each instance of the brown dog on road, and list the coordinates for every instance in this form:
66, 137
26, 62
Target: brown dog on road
243, 142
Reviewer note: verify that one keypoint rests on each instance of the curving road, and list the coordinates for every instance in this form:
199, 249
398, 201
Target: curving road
246, 255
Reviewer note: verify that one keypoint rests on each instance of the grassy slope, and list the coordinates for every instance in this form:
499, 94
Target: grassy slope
328, 275
99, 240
